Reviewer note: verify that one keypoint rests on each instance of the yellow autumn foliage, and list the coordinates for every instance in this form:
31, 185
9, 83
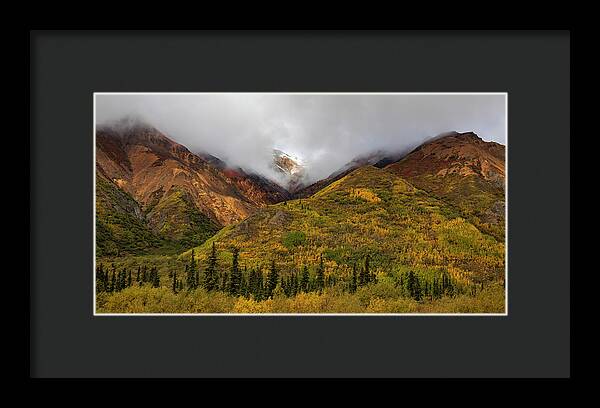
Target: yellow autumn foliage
365, 194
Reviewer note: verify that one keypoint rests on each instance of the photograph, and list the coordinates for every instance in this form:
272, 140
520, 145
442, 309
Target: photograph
300, 203
389, 204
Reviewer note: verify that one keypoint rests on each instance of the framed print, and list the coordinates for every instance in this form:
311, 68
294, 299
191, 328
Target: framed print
300, 204
295, 203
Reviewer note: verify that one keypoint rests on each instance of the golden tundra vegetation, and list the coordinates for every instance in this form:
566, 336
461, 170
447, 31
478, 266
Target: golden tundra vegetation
370, 242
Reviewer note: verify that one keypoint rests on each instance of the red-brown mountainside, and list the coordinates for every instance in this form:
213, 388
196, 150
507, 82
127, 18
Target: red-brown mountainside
149, 166
456, 153
463, 170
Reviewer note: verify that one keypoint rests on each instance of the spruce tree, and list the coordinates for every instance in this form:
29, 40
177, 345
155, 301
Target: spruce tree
99, 279
115, 282
235, 279
353, 279
113, 279
252, 282
190, 278
156, 278
174, 286
244, 283
210, 276
137, 278
294, 285
368, 275
124, 279
283, 284
272, 278
129, 279
118, 281
304, 279
259, 285
320, 276
105, 280
224, 281
362, 279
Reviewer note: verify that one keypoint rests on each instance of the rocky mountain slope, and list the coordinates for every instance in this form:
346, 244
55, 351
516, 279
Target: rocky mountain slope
466, 172
290, 169
179, 195
368, 211
152, 192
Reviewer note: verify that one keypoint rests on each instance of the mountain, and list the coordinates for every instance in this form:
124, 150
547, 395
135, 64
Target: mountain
179, 195
379, 158
371, 211
121, 225
466, 172
290, 169
412, 232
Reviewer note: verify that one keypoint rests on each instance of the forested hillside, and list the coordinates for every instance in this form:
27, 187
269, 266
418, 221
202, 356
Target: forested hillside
421, 234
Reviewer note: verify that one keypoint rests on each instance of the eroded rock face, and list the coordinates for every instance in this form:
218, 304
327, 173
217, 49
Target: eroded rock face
457, 153
145, 163
291, 170
495, 213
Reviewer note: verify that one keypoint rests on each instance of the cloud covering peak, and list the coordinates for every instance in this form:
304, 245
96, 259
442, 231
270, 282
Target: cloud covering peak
325, 131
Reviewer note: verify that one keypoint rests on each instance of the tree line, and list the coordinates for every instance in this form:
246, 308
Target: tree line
115, 281
238, 281
234, 281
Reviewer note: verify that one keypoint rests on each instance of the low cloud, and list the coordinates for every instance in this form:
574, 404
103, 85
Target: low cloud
325, 131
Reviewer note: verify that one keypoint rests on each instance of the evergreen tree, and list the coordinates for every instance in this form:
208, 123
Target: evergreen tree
368, 275
235, 279
417, 290
113, 279
362, 278
120, 280
224, 282
272, 278
284, 285
294, 284
304, 279
252, 282
320, 276
137, 277
129, 279
174, 286
105, 280
244, 283
353, 279
210, 276
258, 286
156, 278
99, 279
191, 278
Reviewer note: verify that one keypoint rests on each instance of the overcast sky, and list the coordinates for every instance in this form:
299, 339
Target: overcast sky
325, 131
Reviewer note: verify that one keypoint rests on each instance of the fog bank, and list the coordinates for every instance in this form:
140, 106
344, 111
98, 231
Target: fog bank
325, 131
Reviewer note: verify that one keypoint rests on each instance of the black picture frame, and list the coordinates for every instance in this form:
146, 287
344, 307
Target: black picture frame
66, 340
